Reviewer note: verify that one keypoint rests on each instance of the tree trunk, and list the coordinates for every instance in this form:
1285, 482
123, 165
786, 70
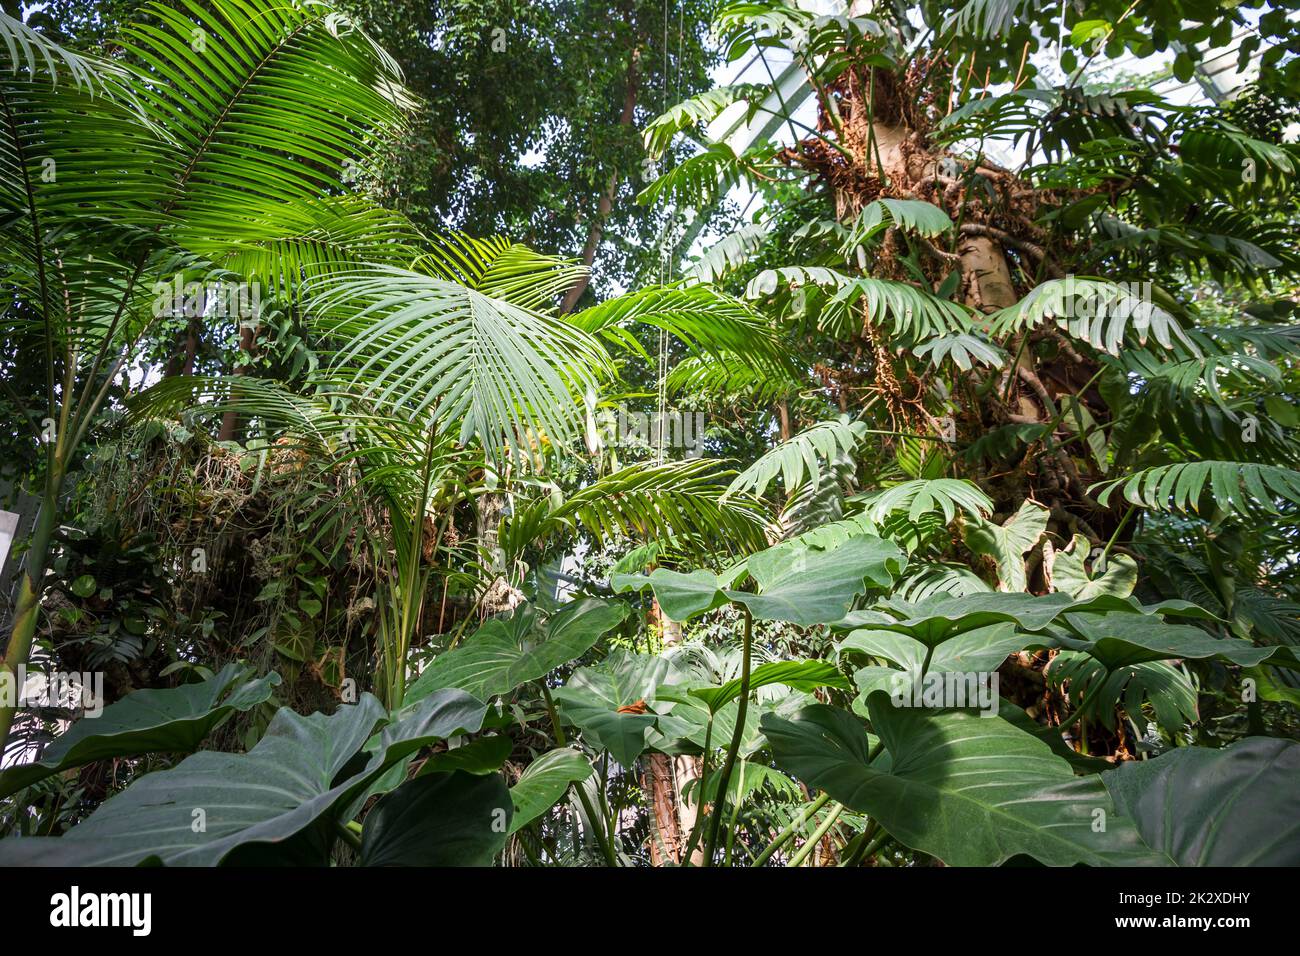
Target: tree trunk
665, 777
230, 420
597, 228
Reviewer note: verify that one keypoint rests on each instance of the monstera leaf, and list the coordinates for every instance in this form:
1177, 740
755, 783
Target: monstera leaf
970, 790
609, 700
545, 782
442, 819
279, 801
1008, 543
1070, 574
507, 652
173, 720
1238, 806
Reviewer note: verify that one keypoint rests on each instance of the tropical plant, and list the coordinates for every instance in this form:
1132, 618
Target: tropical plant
986, 555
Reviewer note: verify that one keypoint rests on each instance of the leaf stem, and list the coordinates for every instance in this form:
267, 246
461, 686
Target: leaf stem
742, 710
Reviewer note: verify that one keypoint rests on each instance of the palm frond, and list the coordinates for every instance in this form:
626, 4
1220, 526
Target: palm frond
509, 377
501, 269
798, 459
1096, 311
1241, 487
682, 502
923, 496
704, 319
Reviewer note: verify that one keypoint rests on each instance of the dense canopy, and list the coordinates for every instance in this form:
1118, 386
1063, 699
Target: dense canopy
650, 434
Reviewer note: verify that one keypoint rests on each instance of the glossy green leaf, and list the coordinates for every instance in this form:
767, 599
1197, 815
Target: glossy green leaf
172, 720
807, 586
545, 782
970, 790
440, 819
592, 698
507, 652
1238, 806
1069, 574
277, 802
800, 675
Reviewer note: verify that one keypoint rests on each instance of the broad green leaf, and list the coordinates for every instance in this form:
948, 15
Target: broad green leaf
807, 586
681, 595
442, 819
592, 698
942, 616
1070, 575
1119, 640
172, 720
800, 675
1238, 806
278, 802
507, 652
1008, 543
970, 790
545, 782
480, 757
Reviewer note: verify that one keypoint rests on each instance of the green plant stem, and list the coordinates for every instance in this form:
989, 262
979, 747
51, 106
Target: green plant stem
784, 836
561, 740
701, 789
742, 710
856, 850
822, 829
350, 836
874, 846
28, 606
735, 814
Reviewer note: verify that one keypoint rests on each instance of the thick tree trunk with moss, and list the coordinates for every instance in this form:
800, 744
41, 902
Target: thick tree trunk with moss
1000, 253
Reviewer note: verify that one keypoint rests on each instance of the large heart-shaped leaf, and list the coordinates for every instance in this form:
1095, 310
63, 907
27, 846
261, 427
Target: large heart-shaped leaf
1238, 806
172, 720
440, 819
681, 595
507, 652
808, 586
545, 782
970, 790
593, 697
980, 649
284, 795
1071, 575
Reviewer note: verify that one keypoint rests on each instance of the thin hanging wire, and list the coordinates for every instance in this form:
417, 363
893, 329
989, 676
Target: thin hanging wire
665, 274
